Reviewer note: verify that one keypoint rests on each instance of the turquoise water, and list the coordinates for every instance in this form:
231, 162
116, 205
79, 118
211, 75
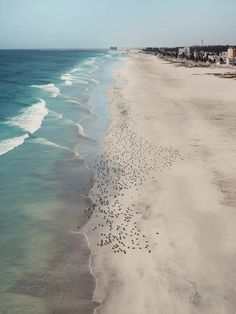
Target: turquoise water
53, 115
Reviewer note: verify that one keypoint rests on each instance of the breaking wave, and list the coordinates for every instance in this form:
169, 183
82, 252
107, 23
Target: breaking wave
67, 78
11, 143
30, 119
51, 88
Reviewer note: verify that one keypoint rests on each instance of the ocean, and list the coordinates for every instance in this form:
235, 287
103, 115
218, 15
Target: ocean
53, 116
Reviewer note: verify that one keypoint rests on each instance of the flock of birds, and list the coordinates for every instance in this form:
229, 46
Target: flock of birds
129, 161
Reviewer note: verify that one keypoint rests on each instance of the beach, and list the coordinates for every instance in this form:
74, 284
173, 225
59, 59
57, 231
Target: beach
117, 185
162, 233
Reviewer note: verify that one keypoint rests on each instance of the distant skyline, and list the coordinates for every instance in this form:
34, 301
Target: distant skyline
124, 23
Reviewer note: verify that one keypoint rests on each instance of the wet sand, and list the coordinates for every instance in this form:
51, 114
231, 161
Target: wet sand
162, 224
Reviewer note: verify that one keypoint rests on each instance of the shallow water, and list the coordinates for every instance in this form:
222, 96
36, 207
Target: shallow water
53, 115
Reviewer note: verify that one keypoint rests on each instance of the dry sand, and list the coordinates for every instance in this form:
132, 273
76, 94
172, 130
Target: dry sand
163, 232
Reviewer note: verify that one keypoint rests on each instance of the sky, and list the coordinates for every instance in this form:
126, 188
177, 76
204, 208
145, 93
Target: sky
123, 23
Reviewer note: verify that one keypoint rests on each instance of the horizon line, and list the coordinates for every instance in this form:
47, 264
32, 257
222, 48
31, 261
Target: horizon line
118, 47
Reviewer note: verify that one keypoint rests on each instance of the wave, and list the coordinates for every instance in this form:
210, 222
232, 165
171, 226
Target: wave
44, 141
94, 80
30, 119
51, 88
11, 143
81, 81
60, 116
90, 61
83, 107
95, 68
76, 69
75, 102
55, 114
67, 78
80, 130
82, 134
87, 78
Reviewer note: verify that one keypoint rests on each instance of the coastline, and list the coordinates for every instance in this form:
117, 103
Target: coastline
162, 177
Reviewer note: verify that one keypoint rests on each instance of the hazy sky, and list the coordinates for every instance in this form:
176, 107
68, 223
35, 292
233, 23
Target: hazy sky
102, 23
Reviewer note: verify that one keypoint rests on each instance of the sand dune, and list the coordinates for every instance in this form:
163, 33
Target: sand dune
163, 231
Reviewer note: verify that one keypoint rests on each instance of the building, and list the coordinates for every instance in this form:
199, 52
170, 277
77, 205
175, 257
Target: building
231, 56
185, 52
231, 53
224, 55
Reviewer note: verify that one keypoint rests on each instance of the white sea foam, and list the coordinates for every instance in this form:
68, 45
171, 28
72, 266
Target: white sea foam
76, 69
80, 130
75, 102
83, 107
88, 78
69, 121
51, 88
44, 141
11, 143
81, 81
64, 120
94, 80
67, 78
30, 119
91, 61
55, 114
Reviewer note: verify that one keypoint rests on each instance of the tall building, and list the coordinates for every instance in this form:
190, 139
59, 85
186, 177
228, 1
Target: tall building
232, 53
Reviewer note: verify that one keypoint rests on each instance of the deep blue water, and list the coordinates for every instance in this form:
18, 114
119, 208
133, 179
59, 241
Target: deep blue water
53, 115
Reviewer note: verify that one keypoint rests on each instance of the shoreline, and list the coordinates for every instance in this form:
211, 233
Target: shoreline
158, 177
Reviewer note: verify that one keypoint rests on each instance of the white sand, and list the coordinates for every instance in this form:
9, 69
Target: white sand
183, 124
